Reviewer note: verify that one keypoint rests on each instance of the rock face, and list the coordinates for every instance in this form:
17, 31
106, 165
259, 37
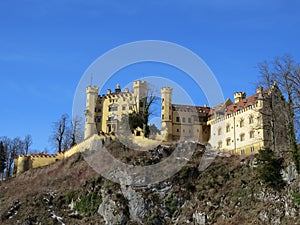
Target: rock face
199, 218
135, 203
289, 174
110, 211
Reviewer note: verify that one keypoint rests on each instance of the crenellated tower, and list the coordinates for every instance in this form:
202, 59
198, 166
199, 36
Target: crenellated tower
89, 112
166, 113
139, 91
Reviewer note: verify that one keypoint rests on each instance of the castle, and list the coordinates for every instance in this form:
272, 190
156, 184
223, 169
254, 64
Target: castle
239, 127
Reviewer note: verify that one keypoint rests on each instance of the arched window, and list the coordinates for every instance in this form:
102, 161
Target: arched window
228, 128
251, 120
241, 122
228, 141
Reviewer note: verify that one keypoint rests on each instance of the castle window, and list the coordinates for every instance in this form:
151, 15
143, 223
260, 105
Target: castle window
99, 110
163, 116
242, 137
162, 100
252, 149
183, 130
241, 123
189, 120
250, 119
197, 130
242, 151
123, 107
190, 131
228, 141
220, 144
98, 119
251, 134
228, 128
169, 117
259, 120
112, 108
112, 117
177, 130
163, 107
183, 119
177, 119
130, 107
219, 131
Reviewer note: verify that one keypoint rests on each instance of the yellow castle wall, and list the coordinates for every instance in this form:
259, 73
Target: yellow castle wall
229, 135
42, 161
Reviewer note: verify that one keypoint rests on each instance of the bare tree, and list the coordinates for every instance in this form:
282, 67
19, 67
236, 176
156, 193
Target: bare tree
27, 143
76, 130
15, 148
58, 137
140, 116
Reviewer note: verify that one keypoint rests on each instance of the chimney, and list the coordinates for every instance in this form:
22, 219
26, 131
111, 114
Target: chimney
127, 90
238, 96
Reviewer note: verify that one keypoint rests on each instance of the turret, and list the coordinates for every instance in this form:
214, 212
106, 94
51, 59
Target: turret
166, 113
91, 100
238, 96
118, 89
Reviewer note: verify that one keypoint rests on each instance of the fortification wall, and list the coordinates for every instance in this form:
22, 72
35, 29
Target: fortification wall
82, 146
42, 161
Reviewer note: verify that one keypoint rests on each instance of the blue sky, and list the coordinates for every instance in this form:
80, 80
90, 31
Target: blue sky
46, 46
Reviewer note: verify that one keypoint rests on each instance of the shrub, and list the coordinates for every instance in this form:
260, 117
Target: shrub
296, 197
69, 196
88, 204
171, 203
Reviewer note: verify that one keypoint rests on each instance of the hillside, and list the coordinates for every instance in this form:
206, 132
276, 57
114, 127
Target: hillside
71, 192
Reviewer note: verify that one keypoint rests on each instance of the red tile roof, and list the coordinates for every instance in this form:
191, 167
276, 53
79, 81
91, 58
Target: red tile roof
190, 108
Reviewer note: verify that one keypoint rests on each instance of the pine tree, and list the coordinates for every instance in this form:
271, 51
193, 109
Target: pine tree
2, 159
269, 168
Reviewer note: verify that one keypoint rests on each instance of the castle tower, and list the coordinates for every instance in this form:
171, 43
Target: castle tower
139, 91
89, 112
166, 113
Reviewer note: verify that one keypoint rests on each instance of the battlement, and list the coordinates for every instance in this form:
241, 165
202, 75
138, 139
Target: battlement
139, 83
90, 89
238, 96
40, 155
166, 90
